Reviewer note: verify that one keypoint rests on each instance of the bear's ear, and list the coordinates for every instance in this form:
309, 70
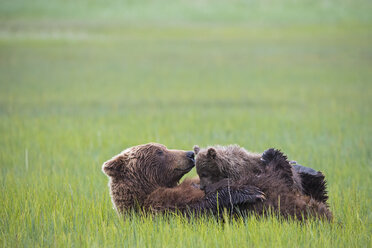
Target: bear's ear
211, 153
113, 166
196, 149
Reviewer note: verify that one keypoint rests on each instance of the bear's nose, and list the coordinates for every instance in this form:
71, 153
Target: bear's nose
190, 155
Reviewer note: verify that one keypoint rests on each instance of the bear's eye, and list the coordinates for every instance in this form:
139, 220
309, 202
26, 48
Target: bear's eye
203, 175
159, 152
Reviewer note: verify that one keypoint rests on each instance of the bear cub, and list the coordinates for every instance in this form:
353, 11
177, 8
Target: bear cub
271, 173
234, 162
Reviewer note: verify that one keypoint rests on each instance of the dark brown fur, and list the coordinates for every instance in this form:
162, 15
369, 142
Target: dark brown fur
306, 180
233, 162
275, 180
146, 177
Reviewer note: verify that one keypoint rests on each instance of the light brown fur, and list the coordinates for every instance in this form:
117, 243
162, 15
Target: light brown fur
137, 172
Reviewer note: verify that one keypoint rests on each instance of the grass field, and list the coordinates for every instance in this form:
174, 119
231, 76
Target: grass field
82, 80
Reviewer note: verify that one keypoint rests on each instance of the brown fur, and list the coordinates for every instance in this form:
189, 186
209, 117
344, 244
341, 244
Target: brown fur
138, 171
146, 177
275, 180
233, 162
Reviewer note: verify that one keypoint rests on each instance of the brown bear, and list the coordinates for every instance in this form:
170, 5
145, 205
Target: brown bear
234, 162
272, 174
146, 177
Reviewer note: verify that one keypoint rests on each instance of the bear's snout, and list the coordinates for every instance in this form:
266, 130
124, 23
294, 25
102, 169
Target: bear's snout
190, 155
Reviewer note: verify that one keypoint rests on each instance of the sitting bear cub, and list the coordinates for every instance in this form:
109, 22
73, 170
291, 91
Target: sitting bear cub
271, 173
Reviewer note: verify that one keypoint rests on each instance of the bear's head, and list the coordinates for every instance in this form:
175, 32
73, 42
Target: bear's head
137, 171
211, 165
218, 162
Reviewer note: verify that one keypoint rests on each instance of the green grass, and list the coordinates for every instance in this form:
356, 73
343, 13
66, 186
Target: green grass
82, 80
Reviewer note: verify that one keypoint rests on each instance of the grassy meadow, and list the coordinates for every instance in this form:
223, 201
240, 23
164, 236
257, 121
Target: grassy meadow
82, 80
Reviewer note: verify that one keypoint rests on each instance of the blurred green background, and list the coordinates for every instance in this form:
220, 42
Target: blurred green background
82, 80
